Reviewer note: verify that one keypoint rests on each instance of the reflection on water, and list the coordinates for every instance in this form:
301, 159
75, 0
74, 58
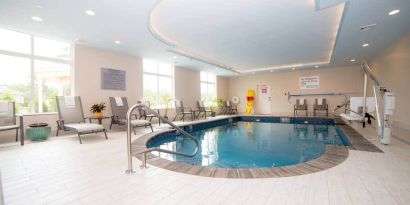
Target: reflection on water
250, 144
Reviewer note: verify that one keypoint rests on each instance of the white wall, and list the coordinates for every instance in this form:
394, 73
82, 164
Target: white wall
87, 84
392, 68
347, 80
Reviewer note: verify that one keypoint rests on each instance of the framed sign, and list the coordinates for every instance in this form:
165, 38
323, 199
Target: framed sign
309, 82
113, 79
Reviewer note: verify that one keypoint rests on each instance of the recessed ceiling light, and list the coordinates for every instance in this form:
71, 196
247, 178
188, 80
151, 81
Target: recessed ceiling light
394, 12
293, 68
90, 12
36, 18
175, 57
352, 60
365, 45
316, 66
117, 42
39, 6
271, 71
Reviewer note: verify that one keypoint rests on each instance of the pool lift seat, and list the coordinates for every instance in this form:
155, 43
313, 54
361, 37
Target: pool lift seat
383, 121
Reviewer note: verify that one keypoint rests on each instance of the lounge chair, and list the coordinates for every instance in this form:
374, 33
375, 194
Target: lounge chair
143, 113
230, 108
298, 106
202, 109
8, 118
119, 109
181, 110
320, 106
71, 117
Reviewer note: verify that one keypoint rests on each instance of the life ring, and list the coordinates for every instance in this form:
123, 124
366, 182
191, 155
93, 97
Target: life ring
235, 99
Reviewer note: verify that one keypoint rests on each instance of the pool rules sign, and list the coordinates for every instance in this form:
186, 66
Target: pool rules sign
309, 82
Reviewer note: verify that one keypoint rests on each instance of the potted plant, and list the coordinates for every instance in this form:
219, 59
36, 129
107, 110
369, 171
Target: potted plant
97, 109
166, 100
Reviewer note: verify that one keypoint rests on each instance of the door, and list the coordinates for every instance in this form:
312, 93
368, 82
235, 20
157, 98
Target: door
263, 100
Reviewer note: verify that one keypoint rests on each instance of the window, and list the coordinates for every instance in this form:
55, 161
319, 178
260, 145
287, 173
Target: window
33, 71
158, 82
208, 88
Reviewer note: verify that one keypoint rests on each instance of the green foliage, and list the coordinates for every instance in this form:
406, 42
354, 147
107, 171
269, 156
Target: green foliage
98, 107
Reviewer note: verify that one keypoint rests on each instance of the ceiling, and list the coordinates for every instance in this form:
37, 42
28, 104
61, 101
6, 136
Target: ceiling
228, 37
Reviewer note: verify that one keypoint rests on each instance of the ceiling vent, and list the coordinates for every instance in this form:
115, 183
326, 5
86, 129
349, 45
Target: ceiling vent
367, 27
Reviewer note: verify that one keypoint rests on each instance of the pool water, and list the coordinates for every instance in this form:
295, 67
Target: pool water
252, 144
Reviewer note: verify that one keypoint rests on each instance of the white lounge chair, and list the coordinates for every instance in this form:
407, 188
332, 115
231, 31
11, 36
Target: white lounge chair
71, 117
119, 108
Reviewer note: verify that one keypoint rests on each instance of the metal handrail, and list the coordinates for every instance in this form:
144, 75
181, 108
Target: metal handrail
144, 161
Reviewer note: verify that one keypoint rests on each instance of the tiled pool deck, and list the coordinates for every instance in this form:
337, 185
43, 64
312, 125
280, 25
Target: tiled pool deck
333, 156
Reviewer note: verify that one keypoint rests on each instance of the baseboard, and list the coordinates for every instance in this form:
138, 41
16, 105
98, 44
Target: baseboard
401, 125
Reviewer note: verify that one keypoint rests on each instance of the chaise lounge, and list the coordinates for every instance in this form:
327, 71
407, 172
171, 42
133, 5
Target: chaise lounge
71, 117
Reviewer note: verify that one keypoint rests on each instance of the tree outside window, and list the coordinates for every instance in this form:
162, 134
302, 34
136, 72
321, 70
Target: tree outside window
158, 82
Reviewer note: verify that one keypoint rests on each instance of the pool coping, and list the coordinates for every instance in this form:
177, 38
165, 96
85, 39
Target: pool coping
333, 156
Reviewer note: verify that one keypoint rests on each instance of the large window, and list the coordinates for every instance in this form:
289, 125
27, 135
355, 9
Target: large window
158, 82
208, 88
33, 71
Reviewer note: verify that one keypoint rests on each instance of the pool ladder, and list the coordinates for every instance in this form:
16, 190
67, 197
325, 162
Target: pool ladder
130, 169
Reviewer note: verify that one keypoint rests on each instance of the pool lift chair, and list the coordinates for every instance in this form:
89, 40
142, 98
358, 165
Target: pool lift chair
363, 116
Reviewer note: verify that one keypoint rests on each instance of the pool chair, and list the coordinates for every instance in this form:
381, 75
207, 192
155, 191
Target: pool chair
71, 117
320, 105
119, 109
8, 118
181, 110
145, 115
202, 109
230, 108
300, 106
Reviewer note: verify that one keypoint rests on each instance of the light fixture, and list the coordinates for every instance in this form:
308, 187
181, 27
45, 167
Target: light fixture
365, 45
175, 57
253, 73
39, 6
352, 60
316, 66
36, 18
394, 12
293, 68
90, 12
271, 71
367, 27
117, 42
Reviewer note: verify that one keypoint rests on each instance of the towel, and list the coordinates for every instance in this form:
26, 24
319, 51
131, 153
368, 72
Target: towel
319, 101
69, 101
301, 101
118, 101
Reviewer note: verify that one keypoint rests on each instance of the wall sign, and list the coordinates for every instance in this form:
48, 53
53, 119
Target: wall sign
309, 82
263, 89
112, 79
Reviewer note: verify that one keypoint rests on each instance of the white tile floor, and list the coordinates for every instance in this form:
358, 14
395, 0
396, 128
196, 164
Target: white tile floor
61, 171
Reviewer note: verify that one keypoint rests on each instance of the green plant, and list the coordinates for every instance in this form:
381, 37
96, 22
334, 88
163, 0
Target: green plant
166, 100
98, 107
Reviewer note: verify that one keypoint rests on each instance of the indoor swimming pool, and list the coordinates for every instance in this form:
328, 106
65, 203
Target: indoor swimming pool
252, 142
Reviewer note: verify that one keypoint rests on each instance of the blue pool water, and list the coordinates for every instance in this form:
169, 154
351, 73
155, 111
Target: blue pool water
252, 144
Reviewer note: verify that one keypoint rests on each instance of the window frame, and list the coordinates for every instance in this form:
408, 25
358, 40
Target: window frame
157, 75
32, 57
208, 82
